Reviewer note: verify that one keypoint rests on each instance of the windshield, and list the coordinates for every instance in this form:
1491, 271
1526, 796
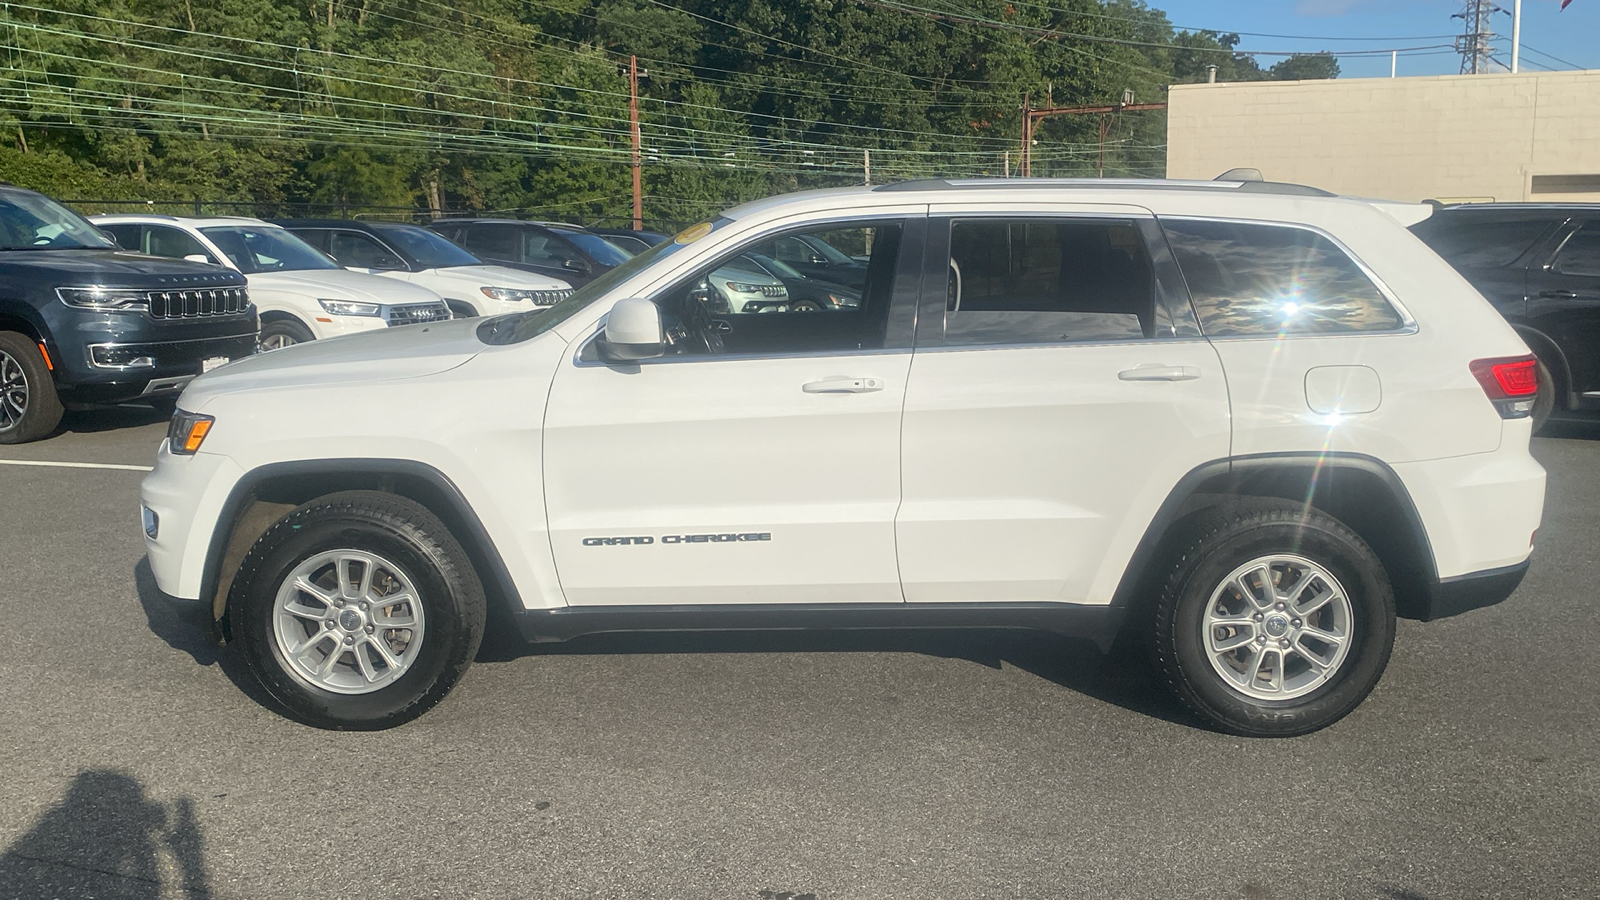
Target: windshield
829, 252
603, 251
428, 250
775, 266
519, 327
266, 248
30, 221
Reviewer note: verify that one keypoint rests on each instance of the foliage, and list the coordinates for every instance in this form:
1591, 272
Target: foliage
522, 105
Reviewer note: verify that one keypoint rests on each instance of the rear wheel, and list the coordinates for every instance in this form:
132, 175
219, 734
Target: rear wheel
1275, 619
280, 333
29, 406
358, 610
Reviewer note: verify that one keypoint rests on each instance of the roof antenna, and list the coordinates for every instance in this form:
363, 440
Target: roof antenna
1240, 175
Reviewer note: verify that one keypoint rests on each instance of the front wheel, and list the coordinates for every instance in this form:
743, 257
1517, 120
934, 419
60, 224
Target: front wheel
1275, 619
358, 610
281, 333
29, 406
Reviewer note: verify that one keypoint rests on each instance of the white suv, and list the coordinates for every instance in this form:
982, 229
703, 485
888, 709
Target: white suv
301, 293
1245, 422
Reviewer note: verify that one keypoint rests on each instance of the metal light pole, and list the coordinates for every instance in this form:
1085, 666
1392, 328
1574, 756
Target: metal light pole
1516, 34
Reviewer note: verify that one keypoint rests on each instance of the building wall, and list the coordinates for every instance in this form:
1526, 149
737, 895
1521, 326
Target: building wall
1448, 137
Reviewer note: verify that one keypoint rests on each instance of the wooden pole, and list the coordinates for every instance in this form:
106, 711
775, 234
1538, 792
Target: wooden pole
633, 120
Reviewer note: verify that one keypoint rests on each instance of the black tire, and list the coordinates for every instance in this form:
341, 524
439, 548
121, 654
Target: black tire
282, 333
30, 408
1211, 546
400, 531
1545, 403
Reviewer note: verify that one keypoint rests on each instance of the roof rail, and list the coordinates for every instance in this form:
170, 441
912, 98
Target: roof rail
1150, 184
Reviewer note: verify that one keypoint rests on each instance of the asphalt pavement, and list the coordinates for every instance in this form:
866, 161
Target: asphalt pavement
138, 762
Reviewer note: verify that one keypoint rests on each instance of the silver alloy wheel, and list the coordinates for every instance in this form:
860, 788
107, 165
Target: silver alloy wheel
1278, 627
348, 621
13, 392
277, 341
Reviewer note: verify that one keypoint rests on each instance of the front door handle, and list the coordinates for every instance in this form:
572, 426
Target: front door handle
1559, 295
843, 385
1160, 373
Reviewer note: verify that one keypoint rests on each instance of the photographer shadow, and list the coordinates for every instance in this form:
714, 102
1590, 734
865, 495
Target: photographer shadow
106, 838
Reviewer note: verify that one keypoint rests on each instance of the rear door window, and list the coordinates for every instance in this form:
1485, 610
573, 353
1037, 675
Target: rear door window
126, 234
173, 242
1250, 278
1034, 281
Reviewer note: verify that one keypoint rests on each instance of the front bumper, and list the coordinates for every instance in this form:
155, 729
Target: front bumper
113, 356
187, 494
1453, 596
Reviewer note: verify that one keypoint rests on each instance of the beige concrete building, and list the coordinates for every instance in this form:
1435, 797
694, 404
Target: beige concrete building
1530, 136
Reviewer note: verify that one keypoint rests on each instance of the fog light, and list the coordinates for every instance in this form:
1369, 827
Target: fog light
152, 522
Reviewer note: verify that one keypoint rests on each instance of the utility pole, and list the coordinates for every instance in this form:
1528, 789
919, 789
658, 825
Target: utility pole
633, 121
1031, 115
1473, 43
1516, 35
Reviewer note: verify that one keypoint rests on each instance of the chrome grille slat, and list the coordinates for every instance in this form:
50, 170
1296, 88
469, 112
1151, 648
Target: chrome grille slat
198, 303
414, 313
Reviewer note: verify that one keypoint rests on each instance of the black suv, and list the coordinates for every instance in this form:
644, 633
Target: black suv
1539, 264
560, 251
83, 323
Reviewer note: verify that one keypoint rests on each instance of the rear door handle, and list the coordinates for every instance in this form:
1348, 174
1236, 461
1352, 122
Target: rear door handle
843, 385
1559, 295
1160, 373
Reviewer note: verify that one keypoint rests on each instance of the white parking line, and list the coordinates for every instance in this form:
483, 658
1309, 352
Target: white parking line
71, 465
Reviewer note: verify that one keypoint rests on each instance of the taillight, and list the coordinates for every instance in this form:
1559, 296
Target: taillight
1511, 383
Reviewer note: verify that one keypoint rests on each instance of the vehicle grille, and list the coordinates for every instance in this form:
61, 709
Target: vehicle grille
198, 303
774, 290
166, 354
413, 313
550, 298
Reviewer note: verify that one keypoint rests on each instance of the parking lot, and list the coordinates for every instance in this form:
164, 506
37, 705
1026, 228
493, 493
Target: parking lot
139, 762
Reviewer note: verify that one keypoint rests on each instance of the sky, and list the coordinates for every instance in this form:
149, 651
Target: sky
1572, 35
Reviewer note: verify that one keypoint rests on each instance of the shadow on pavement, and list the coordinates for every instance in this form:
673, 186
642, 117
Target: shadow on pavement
1572, 429
91, 421
105, 838
1122, 678
187, 626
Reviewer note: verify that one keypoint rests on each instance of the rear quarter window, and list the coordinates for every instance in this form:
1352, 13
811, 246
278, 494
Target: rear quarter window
1248, 278
1481, 244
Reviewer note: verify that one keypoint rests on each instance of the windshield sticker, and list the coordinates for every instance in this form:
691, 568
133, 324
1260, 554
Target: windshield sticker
693, 233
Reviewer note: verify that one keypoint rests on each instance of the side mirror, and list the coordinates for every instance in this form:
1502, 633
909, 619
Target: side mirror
576, 265
633, 331
198, 257
818, 260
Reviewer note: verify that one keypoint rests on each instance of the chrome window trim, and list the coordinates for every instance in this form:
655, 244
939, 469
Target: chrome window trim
1408, 323
586, 343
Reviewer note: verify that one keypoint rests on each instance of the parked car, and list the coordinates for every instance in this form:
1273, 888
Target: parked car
301, 292
1539, 264
633, 242
83, 324
1243, 422
814, 257
743, 287
412, 253
548, 248
806, 294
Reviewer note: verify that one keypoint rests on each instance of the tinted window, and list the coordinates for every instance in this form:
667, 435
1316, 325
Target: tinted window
428, 249
266, 248
352, 248
126, 235
173, 242
604, 252
1580, 255
631, 245
1047, 280
737, 307
1274, 279
1469, 244
540, 246
498, 241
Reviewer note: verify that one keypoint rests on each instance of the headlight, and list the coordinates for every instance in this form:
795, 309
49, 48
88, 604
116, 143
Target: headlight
517, 295
103, 298
187, 432
349, 308
743, 288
